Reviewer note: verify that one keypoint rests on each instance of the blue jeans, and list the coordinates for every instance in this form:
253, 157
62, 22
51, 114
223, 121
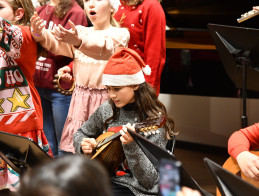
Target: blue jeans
55, 108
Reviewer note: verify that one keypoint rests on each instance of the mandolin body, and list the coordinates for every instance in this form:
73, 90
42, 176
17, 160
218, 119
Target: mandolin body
110, 154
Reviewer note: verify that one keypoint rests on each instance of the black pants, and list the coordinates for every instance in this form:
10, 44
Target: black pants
119, 190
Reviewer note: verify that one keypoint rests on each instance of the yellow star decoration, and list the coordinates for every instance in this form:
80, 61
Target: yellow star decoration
1, 102
19, 100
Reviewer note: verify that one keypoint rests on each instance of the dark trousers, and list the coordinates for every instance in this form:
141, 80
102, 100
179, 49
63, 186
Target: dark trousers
119, 190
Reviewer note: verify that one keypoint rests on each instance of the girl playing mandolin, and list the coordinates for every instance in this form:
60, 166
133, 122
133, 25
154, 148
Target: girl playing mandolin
131, 100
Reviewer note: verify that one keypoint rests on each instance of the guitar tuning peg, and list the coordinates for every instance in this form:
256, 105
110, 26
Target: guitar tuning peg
157, 131
153, 132
145, 133
154, 127
149, 132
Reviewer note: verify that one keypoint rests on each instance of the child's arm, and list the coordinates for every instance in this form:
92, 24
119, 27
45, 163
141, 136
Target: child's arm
47, 39
68, 36
91, 128
100, 45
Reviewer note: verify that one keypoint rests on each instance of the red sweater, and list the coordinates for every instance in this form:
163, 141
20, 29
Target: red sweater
244, 140
46, 68
20, 105
146, 23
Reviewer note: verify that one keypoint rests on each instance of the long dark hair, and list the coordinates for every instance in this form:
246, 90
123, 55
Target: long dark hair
147, 103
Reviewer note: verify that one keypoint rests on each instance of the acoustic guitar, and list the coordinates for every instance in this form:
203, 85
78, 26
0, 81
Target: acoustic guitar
232, 166
109, 149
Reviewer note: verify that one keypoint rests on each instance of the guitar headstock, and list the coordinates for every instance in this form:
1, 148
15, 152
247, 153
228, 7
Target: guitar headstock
150, 126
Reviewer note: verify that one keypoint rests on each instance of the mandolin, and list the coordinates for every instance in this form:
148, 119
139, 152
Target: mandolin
232, 166
247, 15
109, 149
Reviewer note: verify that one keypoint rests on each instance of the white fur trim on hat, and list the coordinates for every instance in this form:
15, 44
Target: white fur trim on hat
123, 80
146, 70
115, 5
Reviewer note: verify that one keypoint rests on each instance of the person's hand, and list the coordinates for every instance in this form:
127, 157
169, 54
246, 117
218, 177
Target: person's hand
256, 8
68, 36
65, 74
249, 164
188, 192
88, 144
125, 136
37, 24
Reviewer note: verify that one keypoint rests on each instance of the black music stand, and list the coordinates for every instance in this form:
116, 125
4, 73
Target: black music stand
228, 183
21, 152
155, 154
238, 49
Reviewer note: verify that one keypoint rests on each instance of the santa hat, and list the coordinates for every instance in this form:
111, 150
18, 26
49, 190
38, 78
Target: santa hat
125, 67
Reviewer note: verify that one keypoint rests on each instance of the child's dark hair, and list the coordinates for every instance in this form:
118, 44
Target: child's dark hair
147, 103
70, 175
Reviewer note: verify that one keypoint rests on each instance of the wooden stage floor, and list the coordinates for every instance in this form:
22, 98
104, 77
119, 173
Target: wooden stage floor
192, 155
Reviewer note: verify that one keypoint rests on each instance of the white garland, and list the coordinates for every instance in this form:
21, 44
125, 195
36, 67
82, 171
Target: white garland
115, 4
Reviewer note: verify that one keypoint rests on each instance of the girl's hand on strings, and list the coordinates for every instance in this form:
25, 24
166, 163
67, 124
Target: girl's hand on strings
37, 24
125, 136
68, 36
87, 145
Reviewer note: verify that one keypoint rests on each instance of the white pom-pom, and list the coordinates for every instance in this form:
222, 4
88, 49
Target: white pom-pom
146, 70
115, 5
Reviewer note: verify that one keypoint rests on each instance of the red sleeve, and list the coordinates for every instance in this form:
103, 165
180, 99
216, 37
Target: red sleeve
244, 140
71, 64
154, 40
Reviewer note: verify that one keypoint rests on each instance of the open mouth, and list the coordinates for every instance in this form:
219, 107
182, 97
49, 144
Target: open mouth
92, 13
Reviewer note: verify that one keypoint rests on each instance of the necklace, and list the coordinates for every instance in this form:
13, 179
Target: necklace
48, 11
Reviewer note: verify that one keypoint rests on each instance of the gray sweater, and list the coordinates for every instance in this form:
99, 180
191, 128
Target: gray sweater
144, 178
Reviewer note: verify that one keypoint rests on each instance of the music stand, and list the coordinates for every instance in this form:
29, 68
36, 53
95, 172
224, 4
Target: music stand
20, 152
228, 183
238, 49
155, 154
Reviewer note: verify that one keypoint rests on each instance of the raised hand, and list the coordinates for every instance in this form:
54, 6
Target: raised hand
68, 36
37, 24
249, 164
